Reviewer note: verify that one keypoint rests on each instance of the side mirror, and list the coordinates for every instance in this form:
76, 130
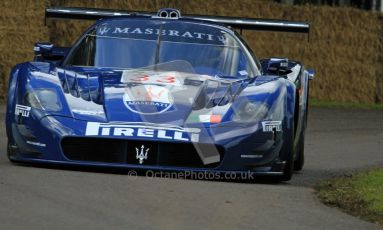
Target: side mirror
43, 48
311, 74
279, 66
47, 52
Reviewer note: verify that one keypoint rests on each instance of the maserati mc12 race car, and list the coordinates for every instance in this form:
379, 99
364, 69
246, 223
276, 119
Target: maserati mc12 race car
160, 91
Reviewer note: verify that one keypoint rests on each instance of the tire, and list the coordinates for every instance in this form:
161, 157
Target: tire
300, 160
9, 152
289, 166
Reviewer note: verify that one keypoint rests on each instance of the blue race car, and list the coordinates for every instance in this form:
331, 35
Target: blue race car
160, 91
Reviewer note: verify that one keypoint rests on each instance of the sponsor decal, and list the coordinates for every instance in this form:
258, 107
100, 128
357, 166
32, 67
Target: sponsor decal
142, 154
148, 99
22, 110
150, 32
88, 112
36, 143
143, 130
210, 118
270, 126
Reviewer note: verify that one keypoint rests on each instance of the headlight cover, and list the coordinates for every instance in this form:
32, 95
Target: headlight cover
43, 99
250, 112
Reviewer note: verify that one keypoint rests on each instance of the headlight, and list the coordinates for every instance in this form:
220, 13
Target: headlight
250, 112
45, 99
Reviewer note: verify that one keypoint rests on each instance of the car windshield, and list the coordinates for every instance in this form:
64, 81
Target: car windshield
139, 43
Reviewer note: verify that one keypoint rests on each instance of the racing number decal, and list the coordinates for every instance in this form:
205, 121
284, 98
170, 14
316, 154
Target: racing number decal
168, 80
142, 78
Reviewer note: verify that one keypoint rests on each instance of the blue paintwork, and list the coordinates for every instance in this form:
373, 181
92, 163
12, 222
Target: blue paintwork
80, 87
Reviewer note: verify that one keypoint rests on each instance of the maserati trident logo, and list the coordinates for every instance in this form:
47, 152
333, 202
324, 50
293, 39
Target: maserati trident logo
103, 30
148, 99
142, 154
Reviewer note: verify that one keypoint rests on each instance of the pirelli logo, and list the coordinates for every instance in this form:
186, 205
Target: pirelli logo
269, 126
142, 130
22, 110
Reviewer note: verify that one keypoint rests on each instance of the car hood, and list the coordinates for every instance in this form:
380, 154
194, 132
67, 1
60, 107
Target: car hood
153, 96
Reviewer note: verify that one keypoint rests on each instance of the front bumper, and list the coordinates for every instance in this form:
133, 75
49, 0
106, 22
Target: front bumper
49, 139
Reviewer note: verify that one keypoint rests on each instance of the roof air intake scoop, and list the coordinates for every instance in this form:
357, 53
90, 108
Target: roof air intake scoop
169, 13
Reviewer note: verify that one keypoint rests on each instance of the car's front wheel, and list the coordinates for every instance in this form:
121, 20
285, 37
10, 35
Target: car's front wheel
300, 158
289, 168
9, 151
288, 153
300, 155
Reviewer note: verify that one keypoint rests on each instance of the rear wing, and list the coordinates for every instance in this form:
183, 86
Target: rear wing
238, 23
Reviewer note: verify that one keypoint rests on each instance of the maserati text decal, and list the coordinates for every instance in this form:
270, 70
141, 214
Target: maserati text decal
104, 30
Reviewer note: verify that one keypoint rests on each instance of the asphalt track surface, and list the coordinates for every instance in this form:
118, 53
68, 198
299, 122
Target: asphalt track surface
338, 141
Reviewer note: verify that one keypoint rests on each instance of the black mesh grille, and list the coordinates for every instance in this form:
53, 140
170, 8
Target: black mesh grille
125, 151
93, 149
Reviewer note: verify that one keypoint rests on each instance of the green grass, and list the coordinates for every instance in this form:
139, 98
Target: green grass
335, 104
360, 194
